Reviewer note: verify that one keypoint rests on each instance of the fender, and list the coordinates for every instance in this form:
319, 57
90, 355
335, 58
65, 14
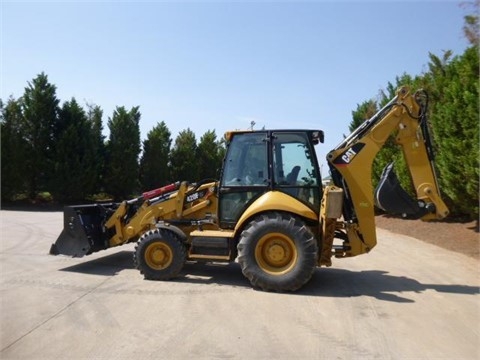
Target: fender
276, 201
176, 230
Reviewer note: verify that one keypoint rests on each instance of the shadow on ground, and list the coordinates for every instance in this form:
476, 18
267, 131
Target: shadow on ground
375, 283
108, 265
330, 282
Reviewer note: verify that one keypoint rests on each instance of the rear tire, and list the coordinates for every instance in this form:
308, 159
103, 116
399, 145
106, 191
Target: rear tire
277, 252
159, 255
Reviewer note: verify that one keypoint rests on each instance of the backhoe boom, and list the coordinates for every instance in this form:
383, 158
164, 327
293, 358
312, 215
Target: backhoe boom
351, 166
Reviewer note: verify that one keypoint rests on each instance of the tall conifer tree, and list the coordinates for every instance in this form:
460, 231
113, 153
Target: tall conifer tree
123, 150
13, 150
210, 153
154, 170
40, 111
183, 159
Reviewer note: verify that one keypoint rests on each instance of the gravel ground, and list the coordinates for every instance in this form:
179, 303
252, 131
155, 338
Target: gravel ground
462, 237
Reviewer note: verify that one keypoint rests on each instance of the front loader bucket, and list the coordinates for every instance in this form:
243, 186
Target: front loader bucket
83, 231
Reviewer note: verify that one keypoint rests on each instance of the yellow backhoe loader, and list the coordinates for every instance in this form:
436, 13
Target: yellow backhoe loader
269, 210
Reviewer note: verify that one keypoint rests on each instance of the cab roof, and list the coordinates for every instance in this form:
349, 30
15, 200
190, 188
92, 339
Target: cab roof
316, 135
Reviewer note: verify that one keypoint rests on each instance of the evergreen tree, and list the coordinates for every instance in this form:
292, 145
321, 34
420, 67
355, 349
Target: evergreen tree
183, 160
453, 84
455, 119
210, 155
75, 161
94, 117
13, 150
154, 169
123, 150
40, 112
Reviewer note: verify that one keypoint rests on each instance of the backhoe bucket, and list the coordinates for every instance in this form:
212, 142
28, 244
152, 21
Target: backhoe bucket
83, 231
393, 199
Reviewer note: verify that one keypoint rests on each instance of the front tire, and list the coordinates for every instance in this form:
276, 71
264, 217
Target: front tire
277, 252
159, 255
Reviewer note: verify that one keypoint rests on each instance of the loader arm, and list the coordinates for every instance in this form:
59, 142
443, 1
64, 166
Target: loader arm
95, 227
351, 167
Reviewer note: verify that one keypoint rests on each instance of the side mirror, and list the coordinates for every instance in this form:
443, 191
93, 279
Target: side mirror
318, 136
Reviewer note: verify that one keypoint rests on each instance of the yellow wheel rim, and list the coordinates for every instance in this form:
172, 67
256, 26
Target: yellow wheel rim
158, 255
276, 253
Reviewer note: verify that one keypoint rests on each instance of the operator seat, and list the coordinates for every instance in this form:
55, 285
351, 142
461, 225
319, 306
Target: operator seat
291, 180
293, 176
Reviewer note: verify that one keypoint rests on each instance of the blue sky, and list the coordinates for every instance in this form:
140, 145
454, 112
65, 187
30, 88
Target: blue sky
220, 65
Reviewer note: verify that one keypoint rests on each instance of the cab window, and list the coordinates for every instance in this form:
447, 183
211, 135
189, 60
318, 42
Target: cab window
294, 166
246, 162
245, 176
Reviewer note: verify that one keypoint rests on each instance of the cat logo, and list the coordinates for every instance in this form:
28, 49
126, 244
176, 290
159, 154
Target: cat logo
348, 155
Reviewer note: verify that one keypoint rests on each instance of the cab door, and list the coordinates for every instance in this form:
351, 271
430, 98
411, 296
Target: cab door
245, 175
295, 167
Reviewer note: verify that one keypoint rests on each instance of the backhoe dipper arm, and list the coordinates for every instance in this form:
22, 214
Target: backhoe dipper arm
351, 167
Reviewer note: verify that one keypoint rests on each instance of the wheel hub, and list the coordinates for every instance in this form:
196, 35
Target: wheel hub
158, 255
276, 253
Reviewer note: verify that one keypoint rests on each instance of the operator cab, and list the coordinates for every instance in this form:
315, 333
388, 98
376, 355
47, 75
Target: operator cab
260, 161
